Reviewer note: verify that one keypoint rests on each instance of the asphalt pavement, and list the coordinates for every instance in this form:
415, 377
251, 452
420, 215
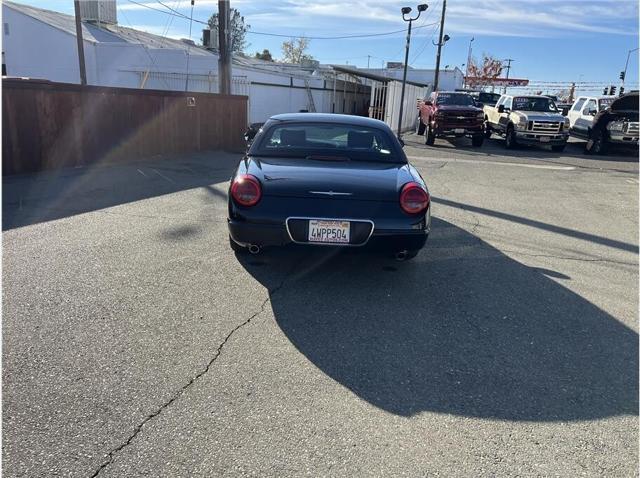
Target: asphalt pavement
135, 343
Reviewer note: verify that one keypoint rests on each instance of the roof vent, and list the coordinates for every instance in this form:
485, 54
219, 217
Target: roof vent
99, 11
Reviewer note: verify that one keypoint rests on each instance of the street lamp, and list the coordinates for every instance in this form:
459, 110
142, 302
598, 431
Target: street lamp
624, 73
406, 11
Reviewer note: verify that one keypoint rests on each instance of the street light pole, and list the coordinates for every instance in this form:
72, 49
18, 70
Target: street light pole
406, 11
508, 60
626, 65
466, 72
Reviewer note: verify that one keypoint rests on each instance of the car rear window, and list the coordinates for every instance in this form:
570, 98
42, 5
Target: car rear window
330, 140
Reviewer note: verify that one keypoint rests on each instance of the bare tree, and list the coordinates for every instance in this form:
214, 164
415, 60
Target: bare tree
293, 51
482, 74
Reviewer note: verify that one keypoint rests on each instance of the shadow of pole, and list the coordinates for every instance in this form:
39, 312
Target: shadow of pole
478, 336
585, 236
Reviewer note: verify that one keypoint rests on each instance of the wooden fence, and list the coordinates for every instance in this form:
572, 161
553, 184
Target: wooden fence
49, 125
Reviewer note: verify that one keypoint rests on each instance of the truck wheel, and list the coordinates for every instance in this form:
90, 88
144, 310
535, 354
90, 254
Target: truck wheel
476, 141
558, 148
510, 139
597, 144
487, 130
420, 127
429, 136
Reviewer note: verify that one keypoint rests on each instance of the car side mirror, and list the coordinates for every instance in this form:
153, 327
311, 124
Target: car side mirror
501, 109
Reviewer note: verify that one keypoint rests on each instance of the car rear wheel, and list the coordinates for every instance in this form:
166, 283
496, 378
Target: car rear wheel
429, 136
420, 127
477, 140
510, 139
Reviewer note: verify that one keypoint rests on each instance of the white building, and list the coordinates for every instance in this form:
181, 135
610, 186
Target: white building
40, 43
448, 80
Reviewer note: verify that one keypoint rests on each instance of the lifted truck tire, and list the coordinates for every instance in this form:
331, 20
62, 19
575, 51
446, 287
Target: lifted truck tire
429, 136
510, 138
487, 129
476, 141
596, 144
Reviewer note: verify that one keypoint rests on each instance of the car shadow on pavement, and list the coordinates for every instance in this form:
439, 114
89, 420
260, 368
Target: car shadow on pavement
33, 198
462, 329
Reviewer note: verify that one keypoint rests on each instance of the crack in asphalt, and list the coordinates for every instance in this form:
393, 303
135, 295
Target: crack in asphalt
111, 455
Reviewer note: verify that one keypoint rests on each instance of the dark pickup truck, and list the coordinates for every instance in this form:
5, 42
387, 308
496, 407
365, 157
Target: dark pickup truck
450, 114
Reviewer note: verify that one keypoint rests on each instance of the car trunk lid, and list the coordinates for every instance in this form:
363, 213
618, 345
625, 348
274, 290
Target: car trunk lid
329, 178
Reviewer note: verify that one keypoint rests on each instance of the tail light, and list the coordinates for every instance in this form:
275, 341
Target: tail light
246, 190
413, 198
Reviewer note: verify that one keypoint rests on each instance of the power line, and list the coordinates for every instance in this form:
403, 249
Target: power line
280, 35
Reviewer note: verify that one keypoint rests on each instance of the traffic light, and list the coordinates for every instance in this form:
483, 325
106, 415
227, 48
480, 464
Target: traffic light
622, 74
612, 90
621, 90
605, 91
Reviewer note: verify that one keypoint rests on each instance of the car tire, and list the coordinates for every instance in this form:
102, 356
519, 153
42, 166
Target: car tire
237, 248
558, 148
429, 136
510, 138
487, 130
420, 127
597, 144
476, 141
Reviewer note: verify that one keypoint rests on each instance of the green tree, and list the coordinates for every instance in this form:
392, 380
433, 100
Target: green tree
238, 30
293, 51
265, 55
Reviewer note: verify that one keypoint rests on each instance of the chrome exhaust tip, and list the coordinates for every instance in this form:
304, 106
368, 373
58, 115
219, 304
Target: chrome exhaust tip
401, 256
253, 249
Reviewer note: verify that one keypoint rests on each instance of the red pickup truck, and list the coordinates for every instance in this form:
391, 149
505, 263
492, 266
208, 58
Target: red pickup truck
450, 114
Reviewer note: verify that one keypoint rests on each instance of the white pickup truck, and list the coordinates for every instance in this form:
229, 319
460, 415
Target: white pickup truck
605, 121
531, 119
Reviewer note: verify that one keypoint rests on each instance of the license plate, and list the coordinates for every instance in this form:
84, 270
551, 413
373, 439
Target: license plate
459, 131
332, 232
545, 139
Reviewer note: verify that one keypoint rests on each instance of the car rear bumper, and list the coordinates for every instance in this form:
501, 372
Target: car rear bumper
265, 235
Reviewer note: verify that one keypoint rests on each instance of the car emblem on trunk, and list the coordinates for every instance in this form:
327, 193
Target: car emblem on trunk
331, 193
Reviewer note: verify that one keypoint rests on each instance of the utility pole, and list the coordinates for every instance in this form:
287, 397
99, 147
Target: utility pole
83, 70
186, 83
224, 59
440, 43
508, 60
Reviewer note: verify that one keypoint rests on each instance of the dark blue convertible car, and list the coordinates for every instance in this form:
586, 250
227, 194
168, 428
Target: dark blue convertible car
328, 180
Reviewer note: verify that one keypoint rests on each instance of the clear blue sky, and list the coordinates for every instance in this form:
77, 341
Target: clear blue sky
549, 40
